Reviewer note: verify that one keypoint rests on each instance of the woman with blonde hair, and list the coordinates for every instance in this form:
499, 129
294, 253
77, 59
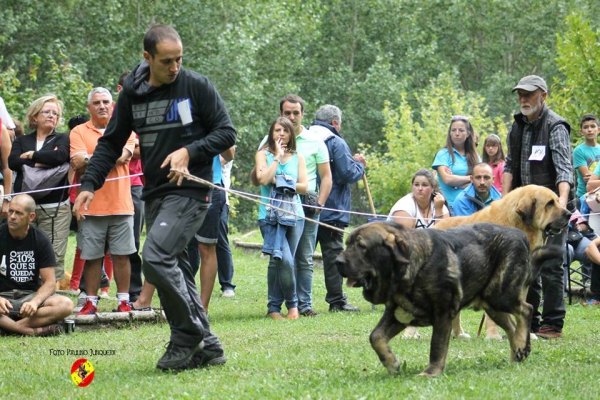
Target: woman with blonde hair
45, 148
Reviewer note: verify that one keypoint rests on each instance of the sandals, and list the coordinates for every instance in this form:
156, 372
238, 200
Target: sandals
275, 315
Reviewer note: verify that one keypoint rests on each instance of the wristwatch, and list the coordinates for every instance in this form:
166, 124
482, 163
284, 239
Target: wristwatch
8, 197
86, 159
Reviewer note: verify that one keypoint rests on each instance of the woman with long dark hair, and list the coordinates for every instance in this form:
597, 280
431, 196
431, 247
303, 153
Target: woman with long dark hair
454, 163
278, 160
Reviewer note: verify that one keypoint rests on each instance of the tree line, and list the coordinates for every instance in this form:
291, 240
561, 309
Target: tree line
397, 68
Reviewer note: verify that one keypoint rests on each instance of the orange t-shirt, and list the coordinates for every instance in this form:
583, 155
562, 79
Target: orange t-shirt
114, 197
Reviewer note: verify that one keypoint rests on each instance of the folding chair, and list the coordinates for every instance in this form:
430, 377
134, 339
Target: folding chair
574, 276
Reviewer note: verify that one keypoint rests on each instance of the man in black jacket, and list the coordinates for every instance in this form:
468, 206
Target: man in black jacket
182, 124
539, 153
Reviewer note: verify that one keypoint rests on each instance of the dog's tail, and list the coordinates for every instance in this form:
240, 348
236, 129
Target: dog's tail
542, 255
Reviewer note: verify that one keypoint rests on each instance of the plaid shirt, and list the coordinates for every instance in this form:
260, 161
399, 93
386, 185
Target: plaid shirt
560, 150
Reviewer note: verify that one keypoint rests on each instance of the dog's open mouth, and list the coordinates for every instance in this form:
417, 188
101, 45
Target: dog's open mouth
553, 230
356, 283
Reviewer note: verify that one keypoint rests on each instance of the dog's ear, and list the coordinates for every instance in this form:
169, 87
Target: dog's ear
526, 209
398, 246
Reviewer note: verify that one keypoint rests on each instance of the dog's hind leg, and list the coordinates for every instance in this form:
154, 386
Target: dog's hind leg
440, 339
491, 329
386, 329
518, 333
521, 342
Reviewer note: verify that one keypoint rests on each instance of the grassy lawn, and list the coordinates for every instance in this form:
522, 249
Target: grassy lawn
325, 357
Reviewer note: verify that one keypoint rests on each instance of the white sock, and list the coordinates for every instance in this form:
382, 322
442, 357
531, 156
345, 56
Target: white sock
123, 296
94, 300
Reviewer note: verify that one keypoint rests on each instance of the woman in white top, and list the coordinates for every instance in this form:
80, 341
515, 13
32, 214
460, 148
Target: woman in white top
423, 206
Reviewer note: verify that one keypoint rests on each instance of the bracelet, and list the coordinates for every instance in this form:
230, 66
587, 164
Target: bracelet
277, 161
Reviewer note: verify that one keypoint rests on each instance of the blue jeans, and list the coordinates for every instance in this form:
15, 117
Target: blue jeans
135, 281
304, 264
281, 279
224, 256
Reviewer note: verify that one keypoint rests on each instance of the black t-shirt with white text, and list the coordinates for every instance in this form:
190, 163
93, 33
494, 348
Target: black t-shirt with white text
21, 260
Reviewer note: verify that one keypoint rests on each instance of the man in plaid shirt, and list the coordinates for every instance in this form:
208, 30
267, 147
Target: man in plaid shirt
539, 153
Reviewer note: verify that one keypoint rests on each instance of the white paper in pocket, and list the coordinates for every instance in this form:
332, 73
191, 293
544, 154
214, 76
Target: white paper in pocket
185, 112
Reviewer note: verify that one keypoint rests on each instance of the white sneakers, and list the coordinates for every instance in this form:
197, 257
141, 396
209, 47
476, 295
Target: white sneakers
228, 293
81, 299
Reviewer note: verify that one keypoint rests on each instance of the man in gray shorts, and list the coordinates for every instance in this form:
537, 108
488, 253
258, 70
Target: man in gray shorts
28, 306
109, 219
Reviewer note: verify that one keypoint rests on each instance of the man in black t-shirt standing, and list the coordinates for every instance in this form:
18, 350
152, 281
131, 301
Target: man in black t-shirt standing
28, 306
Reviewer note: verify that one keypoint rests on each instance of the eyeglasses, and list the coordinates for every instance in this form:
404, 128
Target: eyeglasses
49, 112
459, 118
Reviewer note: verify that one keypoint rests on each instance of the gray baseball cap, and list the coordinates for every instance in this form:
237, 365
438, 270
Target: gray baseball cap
531, 83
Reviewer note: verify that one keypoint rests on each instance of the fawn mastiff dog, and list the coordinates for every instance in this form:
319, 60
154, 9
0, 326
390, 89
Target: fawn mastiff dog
425, 277
533, 209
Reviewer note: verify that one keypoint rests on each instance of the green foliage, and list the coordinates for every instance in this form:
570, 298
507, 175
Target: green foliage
353, 53
327, 357
579, 60
61, 78
413, 135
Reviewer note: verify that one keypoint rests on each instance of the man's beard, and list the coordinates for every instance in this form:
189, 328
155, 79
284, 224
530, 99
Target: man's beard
533, 109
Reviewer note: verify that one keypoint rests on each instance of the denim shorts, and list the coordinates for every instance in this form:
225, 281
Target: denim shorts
209, 231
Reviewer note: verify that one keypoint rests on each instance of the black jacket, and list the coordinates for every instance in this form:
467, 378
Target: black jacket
54, 152
153, 114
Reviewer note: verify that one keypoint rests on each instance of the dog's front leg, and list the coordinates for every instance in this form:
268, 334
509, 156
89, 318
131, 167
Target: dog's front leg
440, 338
457, 330
386, 329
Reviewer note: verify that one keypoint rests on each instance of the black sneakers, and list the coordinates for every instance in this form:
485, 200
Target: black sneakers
337, 307
183, 357
177, 357
208, 357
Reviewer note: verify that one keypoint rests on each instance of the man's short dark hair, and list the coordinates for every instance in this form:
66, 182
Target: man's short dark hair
77, 120
157, 34
588, 117
122, 78
292, 98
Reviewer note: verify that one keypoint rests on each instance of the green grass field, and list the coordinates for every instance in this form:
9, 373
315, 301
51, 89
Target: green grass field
327, 357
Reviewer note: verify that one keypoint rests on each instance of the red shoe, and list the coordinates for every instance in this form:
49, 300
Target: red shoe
124, 306
88, 309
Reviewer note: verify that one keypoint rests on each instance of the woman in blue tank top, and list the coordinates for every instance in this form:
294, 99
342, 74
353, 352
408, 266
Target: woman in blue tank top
279, 157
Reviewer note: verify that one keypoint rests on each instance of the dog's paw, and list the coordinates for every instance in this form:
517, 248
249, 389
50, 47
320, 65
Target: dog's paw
394, 368
520, 354
411, 335
462, 335
533, 336
431, 372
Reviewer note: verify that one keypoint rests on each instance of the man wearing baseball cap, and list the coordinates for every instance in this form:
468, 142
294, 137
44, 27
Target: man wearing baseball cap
539, 153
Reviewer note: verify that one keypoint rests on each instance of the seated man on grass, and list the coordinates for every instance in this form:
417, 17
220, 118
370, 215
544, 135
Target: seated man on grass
28, 307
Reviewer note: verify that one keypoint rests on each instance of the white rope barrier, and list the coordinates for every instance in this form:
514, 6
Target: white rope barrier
256, 198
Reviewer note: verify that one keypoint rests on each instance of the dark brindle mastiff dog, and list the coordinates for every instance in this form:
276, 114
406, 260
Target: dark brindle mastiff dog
425, 277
